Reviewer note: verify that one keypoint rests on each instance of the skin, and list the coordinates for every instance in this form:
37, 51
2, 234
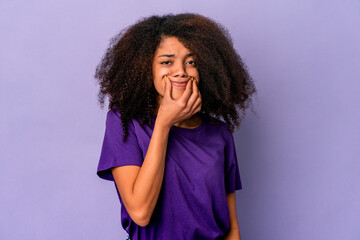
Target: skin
139, 187
234, 232
177, 63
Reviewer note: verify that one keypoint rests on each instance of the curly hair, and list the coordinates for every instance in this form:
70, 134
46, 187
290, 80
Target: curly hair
125, 72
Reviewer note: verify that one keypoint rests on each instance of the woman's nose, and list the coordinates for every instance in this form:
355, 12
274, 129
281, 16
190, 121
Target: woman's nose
180, 71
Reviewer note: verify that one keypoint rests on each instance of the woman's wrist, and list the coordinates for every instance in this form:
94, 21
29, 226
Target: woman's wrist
162, 125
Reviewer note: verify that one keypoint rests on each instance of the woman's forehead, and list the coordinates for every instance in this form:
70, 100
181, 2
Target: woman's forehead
172, 46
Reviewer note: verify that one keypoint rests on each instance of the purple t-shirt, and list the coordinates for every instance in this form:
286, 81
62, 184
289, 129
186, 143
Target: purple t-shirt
200, 169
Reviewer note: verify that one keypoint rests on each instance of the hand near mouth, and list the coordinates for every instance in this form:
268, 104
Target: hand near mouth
194, 79
172, 111
191, 79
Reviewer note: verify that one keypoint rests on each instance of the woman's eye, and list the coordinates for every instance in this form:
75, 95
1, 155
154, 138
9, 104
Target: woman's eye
191, 62
166, 62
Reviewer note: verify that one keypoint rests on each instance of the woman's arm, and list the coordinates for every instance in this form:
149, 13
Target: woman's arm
234, 232
139, 187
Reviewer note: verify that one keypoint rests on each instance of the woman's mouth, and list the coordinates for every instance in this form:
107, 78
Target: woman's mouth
179, 84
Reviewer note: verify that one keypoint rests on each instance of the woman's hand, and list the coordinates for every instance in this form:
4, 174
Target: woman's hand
172, 111
233, 235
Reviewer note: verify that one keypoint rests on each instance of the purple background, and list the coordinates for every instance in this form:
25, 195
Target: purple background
298, 155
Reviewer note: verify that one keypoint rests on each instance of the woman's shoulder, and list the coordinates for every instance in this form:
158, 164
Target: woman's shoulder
114, 111
217, 124
114, 115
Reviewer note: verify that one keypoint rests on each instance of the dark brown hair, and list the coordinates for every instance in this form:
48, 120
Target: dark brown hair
125, 74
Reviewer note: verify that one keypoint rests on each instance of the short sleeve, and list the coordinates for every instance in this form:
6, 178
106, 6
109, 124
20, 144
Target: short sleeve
114, 151
232, 173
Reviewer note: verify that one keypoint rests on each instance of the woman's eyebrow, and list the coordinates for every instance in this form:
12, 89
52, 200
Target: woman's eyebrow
173, 55
167, 55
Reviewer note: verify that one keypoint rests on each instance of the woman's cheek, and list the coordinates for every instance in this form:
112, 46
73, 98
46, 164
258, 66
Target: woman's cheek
161, 85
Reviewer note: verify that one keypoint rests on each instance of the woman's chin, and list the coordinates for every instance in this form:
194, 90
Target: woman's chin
176, 93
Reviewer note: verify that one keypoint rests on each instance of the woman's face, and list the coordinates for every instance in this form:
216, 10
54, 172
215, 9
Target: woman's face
177, 63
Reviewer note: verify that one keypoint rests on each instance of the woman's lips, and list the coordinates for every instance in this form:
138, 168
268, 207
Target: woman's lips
179, 84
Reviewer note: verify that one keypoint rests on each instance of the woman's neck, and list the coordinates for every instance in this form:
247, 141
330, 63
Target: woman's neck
192, 122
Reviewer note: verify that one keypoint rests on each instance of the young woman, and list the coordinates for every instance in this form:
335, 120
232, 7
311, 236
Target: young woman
169, 80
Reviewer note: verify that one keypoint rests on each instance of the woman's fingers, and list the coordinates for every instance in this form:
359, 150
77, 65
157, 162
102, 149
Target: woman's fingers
186, 94
197, 109
195, 94
175, 110
193, 101
197, 105
168, 87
